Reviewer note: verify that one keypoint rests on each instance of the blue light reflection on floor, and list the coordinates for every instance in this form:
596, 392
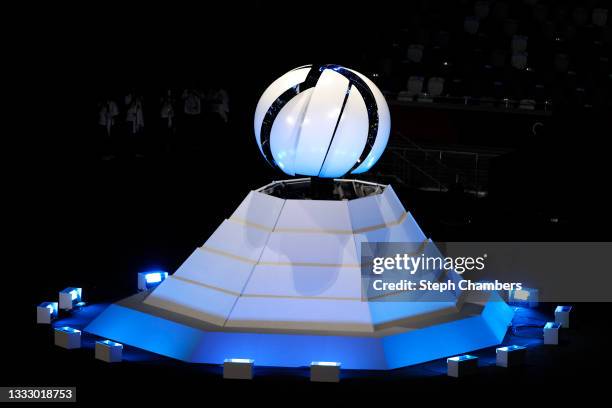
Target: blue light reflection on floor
81, 317
527, 327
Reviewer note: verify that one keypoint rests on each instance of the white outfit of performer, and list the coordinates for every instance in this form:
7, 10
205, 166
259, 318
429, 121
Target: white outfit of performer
108, 111
135, 114
220, 104
167, 110
192, 102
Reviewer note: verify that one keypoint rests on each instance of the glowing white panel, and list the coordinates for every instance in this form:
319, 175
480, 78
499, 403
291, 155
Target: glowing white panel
192, 300
258, 208
288, 247
238, 239
301, 314
276, 89
379, 235
365, 212
215, 270
320, 121
384, 127
315, 215
407, 231
390, 206
286, 131
387, 311
381, 209
350, 137
301, 281
410, 230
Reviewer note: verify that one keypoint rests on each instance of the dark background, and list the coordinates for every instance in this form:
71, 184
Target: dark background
84, 222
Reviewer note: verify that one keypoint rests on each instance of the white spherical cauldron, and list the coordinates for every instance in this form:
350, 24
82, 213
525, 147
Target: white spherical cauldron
322, 121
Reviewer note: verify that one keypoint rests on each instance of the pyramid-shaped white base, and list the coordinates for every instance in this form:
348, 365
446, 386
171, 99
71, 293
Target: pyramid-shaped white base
284, 274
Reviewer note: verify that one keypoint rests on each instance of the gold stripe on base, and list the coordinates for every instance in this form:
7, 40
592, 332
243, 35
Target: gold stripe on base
311, 264
269, 263
321, 230
271, 296
257, 295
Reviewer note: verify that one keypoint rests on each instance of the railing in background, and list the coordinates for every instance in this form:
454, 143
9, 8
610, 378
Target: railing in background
524, 106
438, 169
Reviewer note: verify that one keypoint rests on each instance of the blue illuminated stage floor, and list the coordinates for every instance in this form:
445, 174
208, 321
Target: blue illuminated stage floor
526, 331
132, 322
576, 364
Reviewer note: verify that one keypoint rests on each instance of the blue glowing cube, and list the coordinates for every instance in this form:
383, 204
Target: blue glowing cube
238, 368
46, 312
562, 316
67, 337
460, 366
149, 280
510, 356
551, 333
324, 371
109, 351
69, 297
525, 297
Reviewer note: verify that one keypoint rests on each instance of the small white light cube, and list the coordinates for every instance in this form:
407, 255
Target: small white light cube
109, 351
46, 312
510, 356
551, 333
324, 371
460, 366
238, 368
148, 280
69, 297
562, 316
67, 337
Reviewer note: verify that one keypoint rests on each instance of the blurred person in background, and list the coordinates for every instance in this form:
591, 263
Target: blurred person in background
134, 119
217, 99
216, 117
108, 111
167, 117
192, 118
